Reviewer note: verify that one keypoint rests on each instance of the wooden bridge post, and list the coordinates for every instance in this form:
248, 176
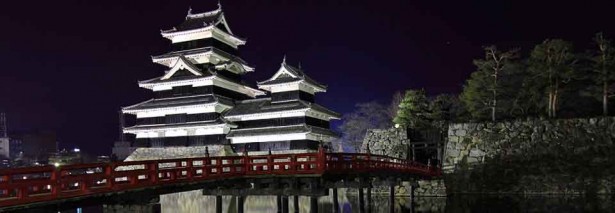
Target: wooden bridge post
285, 204
412, 191
109, 170
296, 203
361, 200
240, 202
269, 162
55, 177
246, 161
313, 204
189, 169
321, 159
336, 203
369, 197
391, 198
218, 204
279, 203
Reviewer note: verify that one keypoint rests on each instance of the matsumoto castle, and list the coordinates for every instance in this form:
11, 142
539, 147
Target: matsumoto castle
201, 100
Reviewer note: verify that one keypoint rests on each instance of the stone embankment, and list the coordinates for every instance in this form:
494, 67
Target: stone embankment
395, 142
529, 156
534, 156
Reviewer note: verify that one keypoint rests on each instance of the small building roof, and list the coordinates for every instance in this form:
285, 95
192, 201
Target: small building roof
199, 20
278, 130
288, 74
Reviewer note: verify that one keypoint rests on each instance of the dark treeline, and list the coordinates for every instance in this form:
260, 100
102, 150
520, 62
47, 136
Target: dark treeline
553, 81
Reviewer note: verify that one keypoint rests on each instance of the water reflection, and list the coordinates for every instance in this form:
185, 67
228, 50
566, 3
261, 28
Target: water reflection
349, 203
193, 201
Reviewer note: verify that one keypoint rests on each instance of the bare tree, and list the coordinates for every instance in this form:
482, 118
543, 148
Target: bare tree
552, 61
497, 60
371, 115
482, 90
394, 105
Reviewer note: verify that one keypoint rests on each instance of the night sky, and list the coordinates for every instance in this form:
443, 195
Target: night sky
68, 66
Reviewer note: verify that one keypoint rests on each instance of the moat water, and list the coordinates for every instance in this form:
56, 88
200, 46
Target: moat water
349, 203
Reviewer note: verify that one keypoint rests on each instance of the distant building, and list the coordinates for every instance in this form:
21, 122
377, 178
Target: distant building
5, 148
4, 139
103, 159
65, 157
37, 146
10, 148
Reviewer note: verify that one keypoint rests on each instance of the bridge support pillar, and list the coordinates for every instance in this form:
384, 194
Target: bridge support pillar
336, 203
412, 192
361, 200
125, 208
285, 204
218, 204
240, 202
296, 203
313, 204
392, 198
369, 198
278, 203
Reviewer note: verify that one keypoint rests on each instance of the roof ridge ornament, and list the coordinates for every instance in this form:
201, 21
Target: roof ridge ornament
284, 60
189, 12
219, 5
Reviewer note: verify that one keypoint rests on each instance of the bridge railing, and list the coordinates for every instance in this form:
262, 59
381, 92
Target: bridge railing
37, 184
361, 162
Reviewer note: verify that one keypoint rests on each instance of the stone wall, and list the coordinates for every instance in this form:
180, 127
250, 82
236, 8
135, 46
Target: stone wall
158, 153
392, 142
534, 156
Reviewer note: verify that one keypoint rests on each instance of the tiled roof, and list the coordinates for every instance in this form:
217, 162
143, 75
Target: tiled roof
183, 52
264, 105
195, 21
180, 101
178, 125
280, 130
279, 81
174, 78
200, 50
295, 71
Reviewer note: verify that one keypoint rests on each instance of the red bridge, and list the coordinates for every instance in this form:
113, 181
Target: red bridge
36, 185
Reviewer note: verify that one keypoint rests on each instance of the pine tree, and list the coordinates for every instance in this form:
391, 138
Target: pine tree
551, 62
603, 60
489, 84
413, 110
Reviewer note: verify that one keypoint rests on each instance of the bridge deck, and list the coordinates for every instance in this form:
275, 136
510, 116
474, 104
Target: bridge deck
25, 186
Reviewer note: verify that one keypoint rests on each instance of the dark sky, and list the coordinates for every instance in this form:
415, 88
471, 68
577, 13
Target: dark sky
68, 66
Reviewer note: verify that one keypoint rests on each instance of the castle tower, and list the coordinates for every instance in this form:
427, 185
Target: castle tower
288, 120
202, 80
200, 101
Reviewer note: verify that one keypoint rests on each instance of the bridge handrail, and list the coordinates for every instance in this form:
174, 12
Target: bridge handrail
36, 184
